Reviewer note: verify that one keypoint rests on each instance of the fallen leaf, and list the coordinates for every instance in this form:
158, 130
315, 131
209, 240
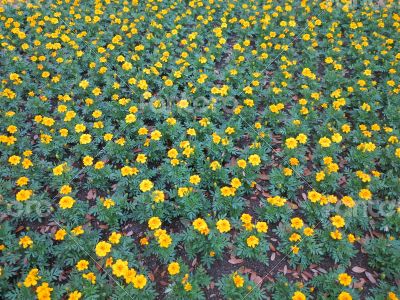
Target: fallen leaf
103, 226
91, 195
357, 269
235, 261
306, 172
19, 229
151, 276
255, 278
266, 194
194, 262
309, 275
246, 270
370, 277
359, 284
273, 256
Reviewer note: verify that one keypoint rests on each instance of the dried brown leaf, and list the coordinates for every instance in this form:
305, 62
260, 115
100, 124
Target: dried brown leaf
235, 261
358, 269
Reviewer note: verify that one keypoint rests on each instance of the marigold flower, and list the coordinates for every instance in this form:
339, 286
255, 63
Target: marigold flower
254, 160
82, 265
75, 295
139, 282
146, 185
173, 268
238, 280
298, 296
296, 223
223, 225
345, 296
103, 248
252, 241
154, 223
66, 202
344, 279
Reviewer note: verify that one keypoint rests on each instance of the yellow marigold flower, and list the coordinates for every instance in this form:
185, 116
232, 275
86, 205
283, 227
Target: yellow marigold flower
96, 91
201, 226
365, 194
351, 238
120, 267
154, 223
87, 161
223, 225
130, 118
164, 240
144, 241
65, 190
392, 296
252, 241
298, 296
187, 287
66, 202
308, 231
23, 195
60, 234
215, 165
115, 237
345, 296
173, 268
236, 183
344, 279
75, 295
314, 196
262, 227
32, 278
85, 139
146, 185
156, 135
246, 218
324, 142
291, 143
139, 282
336, 235
25, 242
301, 138
90, 276
238, 280
228, 191
78, 230
43, 291
254, 159
296, 223
108, 203
103, 248
82, 265
195, 179
337, 221
14, 160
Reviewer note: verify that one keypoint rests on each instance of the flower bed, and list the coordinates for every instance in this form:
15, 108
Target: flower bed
199, 150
